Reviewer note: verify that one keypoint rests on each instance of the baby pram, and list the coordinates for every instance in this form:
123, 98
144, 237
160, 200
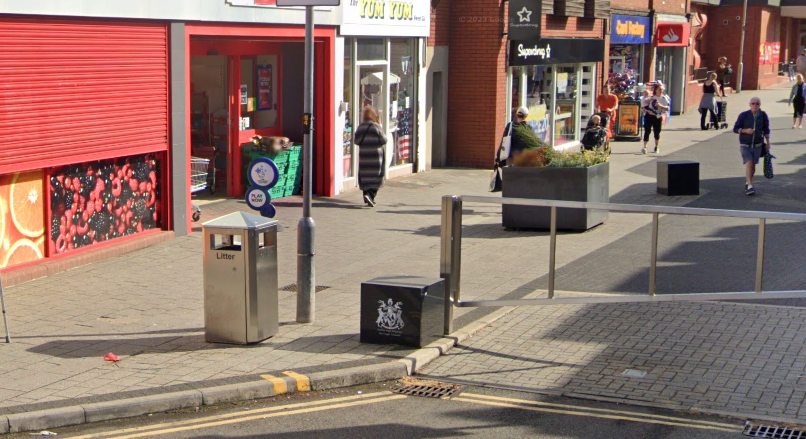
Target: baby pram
597, 138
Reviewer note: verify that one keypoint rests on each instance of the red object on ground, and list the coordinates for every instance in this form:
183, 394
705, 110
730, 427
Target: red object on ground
111, 357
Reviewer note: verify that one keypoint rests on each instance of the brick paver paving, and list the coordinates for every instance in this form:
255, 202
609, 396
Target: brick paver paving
146, 306
737, 358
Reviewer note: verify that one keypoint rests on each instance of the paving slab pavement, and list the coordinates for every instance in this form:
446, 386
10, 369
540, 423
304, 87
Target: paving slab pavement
146, 306
743, 359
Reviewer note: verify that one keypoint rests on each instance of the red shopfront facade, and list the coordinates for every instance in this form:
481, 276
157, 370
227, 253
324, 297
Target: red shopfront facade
84, 128
245, 80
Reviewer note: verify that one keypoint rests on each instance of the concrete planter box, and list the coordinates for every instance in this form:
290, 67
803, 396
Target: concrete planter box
567, 184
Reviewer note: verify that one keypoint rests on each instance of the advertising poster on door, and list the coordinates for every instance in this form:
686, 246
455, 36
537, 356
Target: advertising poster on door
265, 87
538, 119
22, 218
769, 53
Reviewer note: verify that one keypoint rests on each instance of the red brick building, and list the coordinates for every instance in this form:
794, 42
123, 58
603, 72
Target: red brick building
772, 36
470, 80
473, 85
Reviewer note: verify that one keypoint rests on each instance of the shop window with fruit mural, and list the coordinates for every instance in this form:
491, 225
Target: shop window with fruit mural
22, 218
96, 202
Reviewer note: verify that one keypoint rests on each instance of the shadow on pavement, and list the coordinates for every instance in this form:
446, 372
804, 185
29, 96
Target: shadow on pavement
71, 348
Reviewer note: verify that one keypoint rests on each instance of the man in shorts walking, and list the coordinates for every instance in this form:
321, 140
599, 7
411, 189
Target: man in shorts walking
753, 128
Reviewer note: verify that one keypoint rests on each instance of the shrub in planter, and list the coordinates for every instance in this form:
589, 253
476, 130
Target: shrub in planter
543, 173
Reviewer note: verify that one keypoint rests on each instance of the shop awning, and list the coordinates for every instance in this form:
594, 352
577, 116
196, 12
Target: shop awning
377, 79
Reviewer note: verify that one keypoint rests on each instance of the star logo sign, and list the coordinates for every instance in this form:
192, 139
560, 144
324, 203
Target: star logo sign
524, 14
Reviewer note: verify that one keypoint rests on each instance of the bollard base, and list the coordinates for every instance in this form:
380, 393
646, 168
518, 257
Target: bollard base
404, 310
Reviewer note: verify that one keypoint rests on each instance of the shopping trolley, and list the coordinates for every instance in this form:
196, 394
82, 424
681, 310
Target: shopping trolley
721, 115
199, 168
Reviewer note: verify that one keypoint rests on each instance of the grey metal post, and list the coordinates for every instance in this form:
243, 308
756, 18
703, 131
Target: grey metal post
446, 258
456, 251
762, 225
552, 250
653, 259
3, 306
306, 274
740, 75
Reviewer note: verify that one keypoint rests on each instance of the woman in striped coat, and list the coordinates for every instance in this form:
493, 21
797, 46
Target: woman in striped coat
371, 141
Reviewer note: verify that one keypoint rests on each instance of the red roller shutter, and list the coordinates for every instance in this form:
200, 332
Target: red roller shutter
75, 91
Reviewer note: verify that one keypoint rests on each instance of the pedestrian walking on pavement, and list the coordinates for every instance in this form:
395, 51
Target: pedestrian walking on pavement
607, 102
753, 128
657, 106
710, 90
800, 62
517, 142
723, 72
797, 98
371, 141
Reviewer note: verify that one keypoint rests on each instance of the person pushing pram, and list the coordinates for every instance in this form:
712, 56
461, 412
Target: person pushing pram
595, 136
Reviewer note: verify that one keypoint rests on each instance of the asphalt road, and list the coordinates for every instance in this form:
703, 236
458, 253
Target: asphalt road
375, 411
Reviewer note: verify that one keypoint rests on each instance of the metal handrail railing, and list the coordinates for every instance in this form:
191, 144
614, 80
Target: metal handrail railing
451, 252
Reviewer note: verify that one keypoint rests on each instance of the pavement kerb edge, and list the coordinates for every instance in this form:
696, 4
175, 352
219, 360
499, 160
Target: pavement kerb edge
418, 359
45, 419
131, 407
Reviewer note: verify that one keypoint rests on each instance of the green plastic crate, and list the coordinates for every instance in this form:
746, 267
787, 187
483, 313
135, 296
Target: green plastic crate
278, 191
281, 158
295, 152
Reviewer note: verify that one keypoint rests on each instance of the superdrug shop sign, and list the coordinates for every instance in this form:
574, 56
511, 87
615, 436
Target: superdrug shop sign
524, 19
555, 51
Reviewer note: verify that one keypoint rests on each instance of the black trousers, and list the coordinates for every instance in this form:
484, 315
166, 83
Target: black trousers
703, 112
652, 122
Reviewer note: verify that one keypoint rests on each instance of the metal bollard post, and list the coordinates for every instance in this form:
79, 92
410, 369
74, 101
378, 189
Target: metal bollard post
653, 259
450, 255
552, 250
762, 225
3, 306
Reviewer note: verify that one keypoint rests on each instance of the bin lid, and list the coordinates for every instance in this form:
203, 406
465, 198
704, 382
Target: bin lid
240, 221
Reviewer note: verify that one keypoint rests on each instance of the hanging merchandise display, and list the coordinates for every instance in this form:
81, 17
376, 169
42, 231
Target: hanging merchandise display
628, 37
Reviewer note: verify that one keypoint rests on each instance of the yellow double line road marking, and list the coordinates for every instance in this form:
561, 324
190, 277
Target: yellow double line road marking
564, 409
252, 415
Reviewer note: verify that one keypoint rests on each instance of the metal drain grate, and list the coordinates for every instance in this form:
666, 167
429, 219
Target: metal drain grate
773, 431
293, 288
426, 391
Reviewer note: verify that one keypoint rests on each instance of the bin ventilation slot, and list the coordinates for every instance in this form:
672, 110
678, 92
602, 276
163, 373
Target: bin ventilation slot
426, 389
774, 431
226, 242
293, 288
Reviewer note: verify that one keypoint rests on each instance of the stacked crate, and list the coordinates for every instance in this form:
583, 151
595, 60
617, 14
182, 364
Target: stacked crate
289, 168
293, 174
281, 160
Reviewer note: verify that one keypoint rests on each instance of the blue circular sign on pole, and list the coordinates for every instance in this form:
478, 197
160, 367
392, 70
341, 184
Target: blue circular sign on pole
257, 198
263, 173
268, 211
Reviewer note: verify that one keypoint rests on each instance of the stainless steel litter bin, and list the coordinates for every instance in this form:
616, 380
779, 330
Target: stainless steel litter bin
240, 279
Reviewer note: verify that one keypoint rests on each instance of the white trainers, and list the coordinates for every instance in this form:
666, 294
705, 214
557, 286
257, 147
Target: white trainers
657, 150
643, 150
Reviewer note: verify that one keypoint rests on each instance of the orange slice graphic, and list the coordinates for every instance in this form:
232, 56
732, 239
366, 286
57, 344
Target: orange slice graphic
2, 219
22, 251
27, 203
